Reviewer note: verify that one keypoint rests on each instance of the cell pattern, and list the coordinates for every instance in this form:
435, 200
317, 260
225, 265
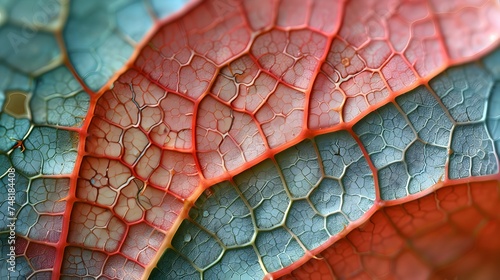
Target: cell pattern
250, 139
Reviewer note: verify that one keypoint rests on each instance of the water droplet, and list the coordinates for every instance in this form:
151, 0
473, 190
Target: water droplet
205, 213
187, 237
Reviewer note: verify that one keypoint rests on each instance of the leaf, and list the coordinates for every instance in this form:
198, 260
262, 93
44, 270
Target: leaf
249, 139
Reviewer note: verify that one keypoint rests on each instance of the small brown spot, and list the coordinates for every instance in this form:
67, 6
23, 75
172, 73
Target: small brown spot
346, 61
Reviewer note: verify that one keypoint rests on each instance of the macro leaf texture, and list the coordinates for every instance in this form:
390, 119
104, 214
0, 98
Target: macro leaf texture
249, 139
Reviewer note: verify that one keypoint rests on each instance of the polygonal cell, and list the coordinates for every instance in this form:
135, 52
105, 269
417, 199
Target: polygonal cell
196, 245
177, 172
225, 215
337, 151
243, 85
134, 20
473, 152
300, 168
96, 227
42, 275
173, 266
409, 14
336, 223
225, 139
376, 35
493, 117
472, 34
375, 53
128, 206
379, 238
321, 13
224, 39
282, 115
48, 150
364, 89
48, 195
47, 228
306, 224
241, 263
150, 117
360, 27
13, 80
342, 61
80, 262
241, 71
252, 96
119, 267
214, 116
342, 159
353, 107
327, 197
326, 102
293, 56
13, 129
278, 249
385, 135
104, 139
296, 7
195, 77
142, 243
359, 194
307, 48
16, 104
26, 219
116, 105
425, 49
21, 55
393, 180
142, 91
15, 200
406, 166
427, 116
162, 209
260, 13
97, 58
23, 267
100, 180
5, 164
148, 162
134, 143
174, 130
165, 53
41, 256
464, 91
264, 190
59, 99
425, 165
398, 74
